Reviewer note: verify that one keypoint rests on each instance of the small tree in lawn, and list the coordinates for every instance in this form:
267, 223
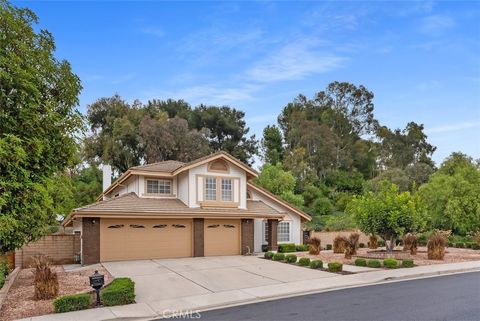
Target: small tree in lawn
388, 213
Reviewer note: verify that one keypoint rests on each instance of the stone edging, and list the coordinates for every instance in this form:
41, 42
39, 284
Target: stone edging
8, 284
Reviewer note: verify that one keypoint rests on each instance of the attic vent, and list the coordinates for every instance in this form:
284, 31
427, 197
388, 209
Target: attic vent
213, 226
160, 226
137, 226
178, 225
229, 225
116, 226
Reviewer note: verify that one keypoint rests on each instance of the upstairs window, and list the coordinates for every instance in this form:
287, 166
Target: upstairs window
227, 190
210, 189
159, 186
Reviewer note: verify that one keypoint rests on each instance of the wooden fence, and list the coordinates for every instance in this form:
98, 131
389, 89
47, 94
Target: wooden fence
61, 248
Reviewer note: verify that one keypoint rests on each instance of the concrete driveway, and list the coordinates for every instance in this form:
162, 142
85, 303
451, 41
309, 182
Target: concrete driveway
207, 278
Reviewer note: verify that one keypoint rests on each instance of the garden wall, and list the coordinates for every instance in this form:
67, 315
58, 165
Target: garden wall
327, 237
61, 248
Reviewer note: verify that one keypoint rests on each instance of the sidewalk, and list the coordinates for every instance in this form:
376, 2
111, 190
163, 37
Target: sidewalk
192, 304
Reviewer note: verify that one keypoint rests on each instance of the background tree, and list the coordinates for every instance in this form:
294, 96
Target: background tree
388, 213
228, 130
452, 195
272, 145
38, 123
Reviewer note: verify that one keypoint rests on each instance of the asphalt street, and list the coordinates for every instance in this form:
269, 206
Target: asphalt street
451, 297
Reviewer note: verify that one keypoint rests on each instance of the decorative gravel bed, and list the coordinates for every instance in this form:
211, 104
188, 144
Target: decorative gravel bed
20, 303
452, 255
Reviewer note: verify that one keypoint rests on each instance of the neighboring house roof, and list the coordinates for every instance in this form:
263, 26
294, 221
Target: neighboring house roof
133, 206
165, 166
173, 168
279, 201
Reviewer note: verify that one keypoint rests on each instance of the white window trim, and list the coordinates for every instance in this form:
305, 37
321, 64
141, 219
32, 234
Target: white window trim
264, 236
146, 193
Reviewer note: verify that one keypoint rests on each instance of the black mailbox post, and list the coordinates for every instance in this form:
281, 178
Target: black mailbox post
97, 280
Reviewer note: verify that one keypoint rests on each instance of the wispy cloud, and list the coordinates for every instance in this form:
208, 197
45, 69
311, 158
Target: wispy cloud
436, 23
208, 94
294, 61
154, 31
453, 127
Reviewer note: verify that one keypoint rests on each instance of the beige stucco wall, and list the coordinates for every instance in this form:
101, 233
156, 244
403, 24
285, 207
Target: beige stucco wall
195, 184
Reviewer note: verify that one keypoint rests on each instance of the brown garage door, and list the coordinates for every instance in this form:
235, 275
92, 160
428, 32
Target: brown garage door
133, 239
222, 237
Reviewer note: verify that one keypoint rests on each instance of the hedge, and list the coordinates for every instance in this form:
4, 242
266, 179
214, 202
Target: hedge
301, 247
374, 263
72, 302
390, 263
286, 248
3, 272
361, 262
268, 255
291, 258
407, 263
279, 257
335, 267
121, 291
304, 261
316, 264
329, 247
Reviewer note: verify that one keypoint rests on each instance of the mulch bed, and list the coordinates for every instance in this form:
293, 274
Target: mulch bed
20, 303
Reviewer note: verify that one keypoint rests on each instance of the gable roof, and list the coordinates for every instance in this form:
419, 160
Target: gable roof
165, 166
279, 201
172, 168
131, 205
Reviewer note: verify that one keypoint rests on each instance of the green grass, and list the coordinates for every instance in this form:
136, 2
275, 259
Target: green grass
72, 302
121, 291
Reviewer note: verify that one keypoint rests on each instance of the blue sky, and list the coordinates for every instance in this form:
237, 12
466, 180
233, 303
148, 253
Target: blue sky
421, 59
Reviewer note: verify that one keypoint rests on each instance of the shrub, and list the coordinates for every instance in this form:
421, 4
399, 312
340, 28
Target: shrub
286, 248
475, 246
264, 247
436, 246
73, 302
279, 257
351, 245
339, 243
470, 245
390, 263
374, 263
314, 245
329, 247
291, 258
361, 245
373, 242
407, 263
410, 243
451, 244
460, 245
4, 267
46, 281
335, 267
268, 255
302, 247
316, 264
361, 262
304, 261
381, 243
121, 291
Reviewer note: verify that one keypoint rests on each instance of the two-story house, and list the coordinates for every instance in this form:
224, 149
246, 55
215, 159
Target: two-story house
171, 209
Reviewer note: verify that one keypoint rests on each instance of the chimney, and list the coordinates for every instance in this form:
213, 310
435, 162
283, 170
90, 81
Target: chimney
107, 176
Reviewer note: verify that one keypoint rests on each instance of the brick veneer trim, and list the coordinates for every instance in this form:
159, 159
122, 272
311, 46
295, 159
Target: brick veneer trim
247, 236
198, 237
90, 240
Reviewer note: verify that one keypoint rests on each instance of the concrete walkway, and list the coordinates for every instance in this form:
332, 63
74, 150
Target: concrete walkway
212, 293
